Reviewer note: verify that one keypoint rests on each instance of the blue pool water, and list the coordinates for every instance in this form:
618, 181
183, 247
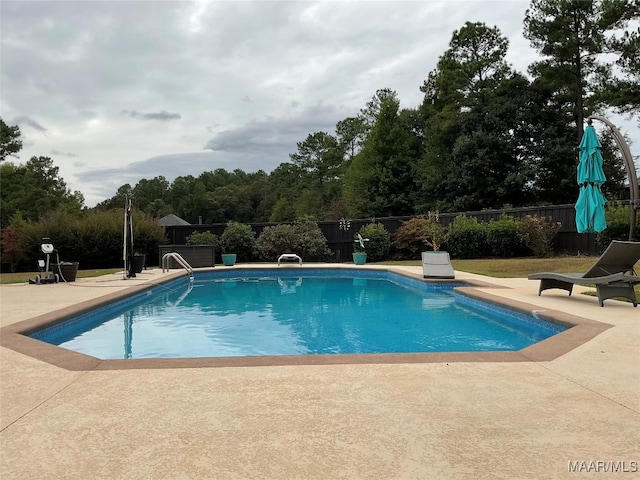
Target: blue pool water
295, 312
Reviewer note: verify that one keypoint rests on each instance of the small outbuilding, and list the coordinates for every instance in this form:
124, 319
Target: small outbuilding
172, 220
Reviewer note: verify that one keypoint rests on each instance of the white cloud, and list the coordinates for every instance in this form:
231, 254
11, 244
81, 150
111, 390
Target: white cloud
124, 90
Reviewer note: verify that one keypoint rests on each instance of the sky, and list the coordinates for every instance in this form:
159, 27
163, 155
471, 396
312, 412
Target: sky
120, 90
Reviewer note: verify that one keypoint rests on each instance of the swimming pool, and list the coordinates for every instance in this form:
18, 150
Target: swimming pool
295, 312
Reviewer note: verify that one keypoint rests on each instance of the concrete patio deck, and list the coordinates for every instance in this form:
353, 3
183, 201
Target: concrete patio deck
576, 416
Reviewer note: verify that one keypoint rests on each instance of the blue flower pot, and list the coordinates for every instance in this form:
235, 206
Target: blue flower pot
359, 258
229, 259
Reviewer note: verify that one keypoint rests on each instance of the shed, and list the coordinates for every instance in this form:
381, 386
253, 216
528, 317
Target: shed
172, 220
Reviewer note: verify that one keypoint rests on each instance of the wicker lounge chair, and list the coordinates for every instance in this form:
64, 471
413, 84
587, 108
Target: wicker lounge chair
613, 274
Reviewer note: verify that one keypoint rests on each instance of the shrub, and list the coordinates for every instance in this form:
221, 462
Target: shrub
303, 238
94, 239
276, 240
313, 243
467, 238
238, 238
379, 243
10, 241
10, 247
618, 223
505, 238
538, 233
202, 238
417, 234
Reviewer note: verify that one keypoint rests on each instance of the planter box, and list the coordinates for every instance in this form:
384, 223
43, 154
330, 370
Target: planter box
66, 271
195, 255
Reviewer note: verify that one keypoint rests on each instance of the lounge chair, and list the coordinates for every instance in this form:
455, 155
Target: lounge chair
437, 265
613, 274
289, 257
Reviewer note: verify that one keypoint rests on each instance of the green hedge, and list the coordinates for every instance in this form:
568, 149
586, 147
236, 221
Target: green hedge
505, 238
302, 238
467, 238
618, 223
95, 239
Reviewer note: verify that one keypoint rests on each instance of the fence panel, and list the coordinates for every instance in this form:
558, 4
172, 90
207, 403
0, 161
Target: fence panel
340, 234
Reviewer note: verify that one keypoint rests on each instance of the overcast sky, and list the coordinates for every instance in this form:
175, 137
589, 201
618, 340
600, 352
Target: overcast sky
117, 91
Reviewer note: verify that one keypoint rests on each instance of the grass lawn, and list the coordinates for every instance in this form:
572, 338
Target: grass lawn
521, 267
23, 277
515, 267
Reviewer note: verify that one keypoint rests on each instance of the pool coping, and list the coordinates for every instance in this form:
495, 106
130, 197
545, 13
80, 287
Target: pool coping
579, 331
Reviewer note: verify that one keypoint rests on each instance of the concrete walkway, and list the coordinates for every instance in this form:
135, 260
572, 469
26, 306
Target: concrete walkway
576, 416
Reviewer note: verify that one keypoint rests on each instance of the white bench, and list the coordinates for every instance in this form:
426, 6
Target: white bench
289, 257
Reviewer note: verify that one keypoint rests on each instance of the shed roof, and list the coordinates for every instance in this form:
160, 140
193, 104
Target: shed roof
171, 220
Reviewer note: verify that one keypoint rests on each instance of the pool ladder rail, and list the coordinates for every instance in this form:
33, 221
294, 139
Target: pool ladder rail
179, 260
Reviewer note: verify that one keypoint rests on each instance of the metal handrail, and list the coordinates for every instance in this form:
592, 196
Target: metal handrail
178, 258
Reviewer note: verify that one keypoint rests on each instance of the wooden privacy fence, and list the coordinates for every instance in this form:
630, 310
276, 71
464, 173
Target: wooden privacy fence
340, 234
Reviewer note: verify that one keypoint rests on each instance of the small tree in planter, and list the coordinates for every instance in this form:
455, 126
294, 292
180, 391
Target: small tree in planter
359, 249
420, 232
238, 239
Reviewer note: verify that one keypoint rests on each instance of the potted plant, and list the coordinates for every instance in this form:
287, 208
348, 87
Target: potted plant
238, 243
378, 243
359, 254
435, 263
229, 259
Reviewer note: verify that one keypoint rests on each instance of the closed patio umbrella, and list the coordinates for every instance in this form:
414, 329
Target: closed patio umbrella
590, 205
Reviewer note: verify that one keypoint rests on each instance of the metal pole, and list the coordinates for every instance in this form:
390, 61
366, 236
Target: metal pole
631, 171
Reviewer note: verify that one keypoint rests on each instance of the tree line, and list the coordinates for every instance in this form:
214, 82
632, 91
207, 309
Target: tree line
484, 136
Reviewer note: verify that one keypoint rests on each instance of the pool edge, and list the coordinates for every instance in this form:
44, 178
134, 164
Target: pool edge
15, 337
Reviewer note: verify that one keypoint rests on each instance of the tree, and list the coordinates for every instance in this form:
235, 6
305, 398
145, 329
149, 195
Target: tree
146, 192
320, 160
10, 143
35, 189
319, 157
351, 133
623, 91
553, 149
286, 184
369, 114
123, 193
571, 36
500, 132
476, 126
380, 179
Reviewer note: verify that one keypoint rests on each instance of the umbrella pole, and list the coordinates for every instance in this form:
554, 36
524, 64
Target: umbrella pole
631, 171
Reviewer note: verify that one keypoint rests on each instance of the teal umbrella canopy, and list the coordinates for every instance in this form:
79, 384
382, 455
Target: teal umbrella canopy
590, 205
